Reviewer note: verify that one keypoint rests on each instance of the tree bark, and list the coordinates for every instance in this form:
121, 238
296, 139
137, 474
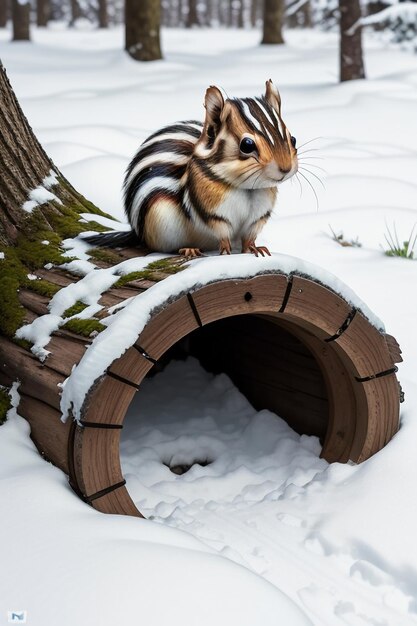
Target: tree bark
42, 12
76, 12
20, 16
28, 177
351, 57
3, 13
254, 12
103, 19
240, 15
192, 17
273, 19
143, 19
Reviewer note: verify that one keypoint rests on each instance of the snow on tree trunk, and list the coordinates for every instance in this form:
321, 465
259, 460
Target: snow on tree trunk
351, 57
3, 13
143, 19
38, 208
20, 16
103, 20
42, 12
273, 18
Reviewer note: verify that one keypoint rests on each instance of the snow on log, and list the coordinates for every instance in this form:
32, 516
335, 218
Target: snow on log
290, 335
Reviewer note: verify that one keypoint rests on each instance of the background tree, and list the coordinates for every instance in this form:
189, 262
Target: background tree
273, 18
20, 17
103, 18
192, 16
42, 12
351, 57
3, 13
76, 12
143, 19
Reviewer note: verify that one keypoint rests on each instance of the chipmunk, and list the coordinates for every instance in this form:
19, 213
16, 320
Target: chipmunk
194, 187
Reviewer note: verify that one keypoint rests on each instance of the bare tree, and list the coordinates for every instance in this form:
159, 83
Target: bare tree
255, 6
20, 17
76, 12
143, 20
273, 19
3, 13
192, 17
103, 18
351, 57
42, 12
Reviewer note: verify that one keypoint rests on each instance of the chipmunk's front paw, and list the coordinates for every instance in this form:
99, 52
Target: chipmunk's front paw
249, 246
190, 253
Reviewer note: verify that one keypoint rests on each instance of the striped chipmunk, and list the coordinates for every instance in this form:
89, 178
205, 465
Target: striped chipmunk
193, 187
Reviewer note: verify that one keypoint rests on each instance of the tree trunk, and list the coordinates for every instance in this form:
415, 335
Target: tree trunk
103, 19
240, 16
351, 58
306, 15
20, 16
75, 12
42, 12
37, 204
143, 19
273, 18
3, 13
254, 12
192, 17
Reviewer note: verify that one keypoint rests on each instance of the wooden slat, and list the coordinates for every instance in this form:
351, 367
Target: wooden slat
313, 306
33, 301
108, 402
263, 293
132, 366
57, 276
65, 353
96, 459
366, 348
117, 502
165, 328
37, 380
48, 432
394, 348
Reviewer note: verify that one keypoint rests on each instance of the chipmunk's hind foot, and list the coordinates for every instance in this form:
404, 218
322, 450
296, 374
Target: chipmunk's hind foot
256, 250
190, 253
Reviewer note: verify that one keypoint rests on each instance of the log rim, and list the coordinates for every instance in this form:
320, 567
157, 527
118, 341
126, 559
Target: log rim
97, 438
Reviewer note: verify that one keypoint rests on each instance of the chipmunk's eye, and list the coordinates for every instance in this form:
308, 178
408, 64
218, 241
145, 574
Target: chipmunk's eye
293, 141
247, 145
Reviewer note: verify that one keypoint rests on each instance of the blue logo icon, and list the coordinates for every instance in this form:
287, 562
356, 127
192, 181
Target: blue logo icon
16, 617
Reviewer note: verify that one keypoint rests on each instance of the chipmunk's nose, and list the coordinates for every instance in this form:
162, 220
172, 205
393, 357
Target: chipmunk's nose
284, 171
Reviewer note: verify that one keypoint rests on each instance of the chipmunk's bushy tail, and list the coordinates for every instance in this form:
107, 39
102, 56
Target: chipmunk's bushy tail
113, 239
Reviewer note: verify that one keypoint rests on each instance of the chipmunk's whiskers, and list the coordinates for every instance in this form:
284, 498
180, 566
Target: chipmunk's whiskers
256, 179
250, 171
299, 182
310, 141
301, 163
315, 176
312, 188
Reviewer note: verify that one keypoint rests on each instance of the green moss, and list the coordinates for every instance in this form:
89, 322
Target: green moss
155, 271
83, 205
5, 405
42, 287
104, 255
12, 274
83, 327
23, 343
74, 309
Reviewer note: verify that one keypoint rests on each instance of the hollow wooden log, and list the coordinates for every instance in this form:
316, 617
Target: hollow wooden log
290, 344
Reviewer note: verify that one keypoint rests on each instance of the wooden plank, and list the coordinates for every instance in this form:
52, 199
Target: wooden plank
366, 348
49, 434
312, 305
117, 502
132, 366
57, 276
264, 293
37, 380
108, 402
65, 353
96, 459
167, 327
33, 301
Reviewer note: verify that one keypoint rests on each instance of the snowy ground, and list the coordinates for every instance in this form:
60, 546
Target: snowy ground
339, 540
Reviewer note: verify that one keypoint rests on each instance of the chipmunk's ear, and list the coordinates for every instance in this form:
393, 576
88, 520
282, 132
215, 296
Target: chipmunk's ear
272, 96
214, 103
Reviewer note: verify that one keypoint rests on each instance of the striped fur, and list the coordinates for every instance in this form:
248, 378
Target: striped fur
190, 185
